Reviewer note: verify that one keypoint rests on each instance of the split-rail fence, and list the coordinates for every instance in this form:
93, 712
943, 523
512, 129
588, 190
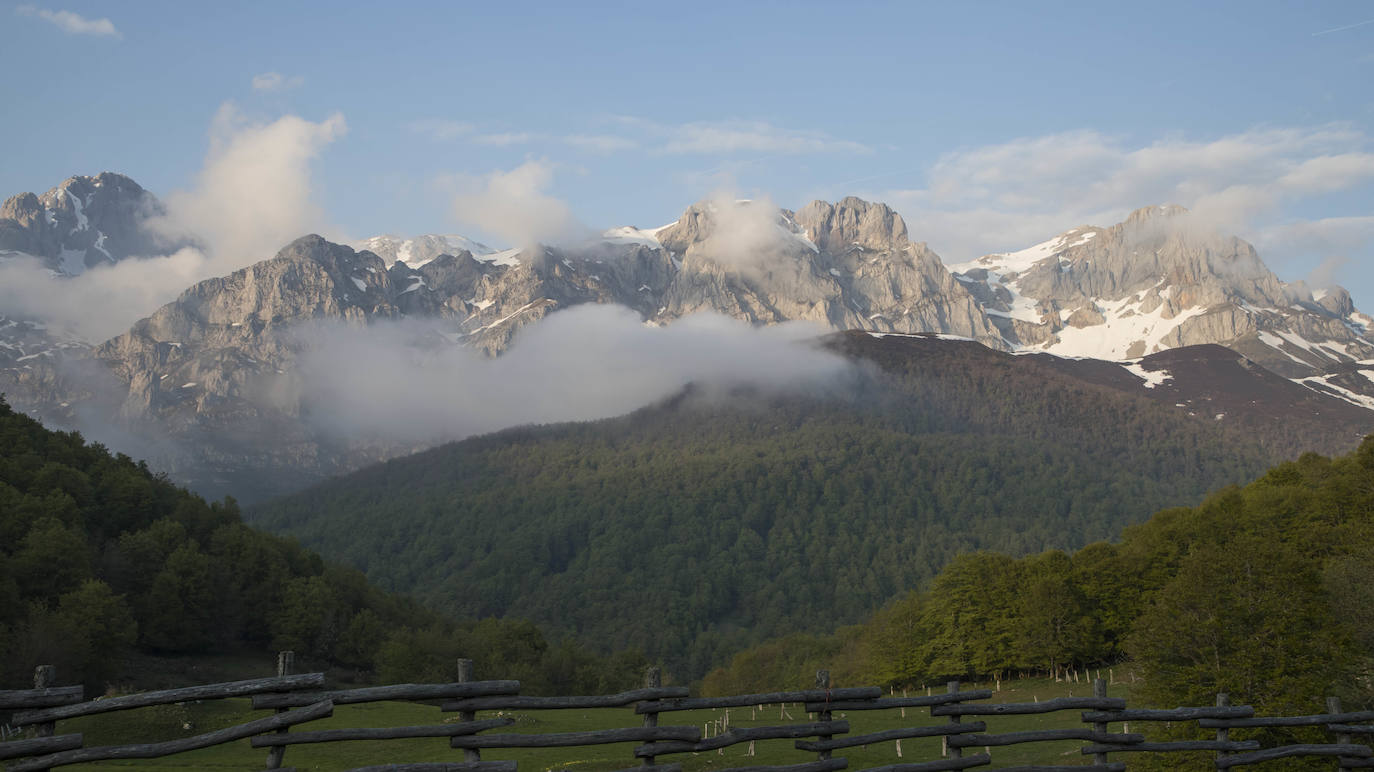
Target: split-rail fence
300, 699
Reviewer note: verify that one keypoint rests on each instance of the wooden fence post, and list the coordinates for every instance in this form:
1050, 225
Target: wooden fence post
653, 679
954, 751
286, 661
1333, 706
1100, 690
823, 682
465, 676
1223, 733
45, 677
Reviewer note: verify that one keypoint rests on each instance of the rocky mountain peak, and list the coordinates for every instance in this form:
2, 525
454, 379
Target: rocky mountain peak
1154, 214
835, 228
1336, 300
24, 209
1160, 280
737, 221
82, 222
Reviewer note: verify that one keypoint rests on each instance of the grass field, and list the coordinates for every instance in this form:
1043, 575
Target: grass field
173, 721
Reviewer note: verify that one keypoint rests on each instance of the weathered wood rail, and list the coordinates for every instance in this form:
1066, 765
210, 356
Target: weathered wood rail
300, 699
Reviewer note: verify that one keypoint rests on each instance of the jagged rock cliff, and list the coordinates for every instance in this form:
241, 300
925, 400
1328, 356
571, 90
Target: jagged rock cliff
82, 222
1160, 280
848, 266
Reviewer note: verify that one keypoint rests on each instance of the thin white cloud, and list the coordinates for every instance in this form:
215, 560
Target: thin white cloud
441, 129
72, 23
719, 138
275, 81
724, 137
1011, 195
1330, 243
1343, 29
600, 143
505, 138
445, 129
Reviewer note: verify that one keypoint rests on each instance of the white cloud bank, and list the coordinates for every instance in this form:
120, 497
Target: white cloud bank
253, 194
584, 363
252, 197
1008, 196
515, 206
71, 23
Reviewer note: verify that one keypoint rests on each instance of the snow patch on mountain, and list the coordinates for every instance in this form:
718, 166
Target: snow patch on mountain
1012, 263
629, 234
504, 257
1345, 388
418, 251
1152, 378
1123, 332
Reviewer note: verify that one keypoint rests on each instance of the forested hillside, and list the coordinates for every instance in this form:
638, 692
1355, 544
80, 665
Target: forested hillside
1265, 592
697, 527
100, 558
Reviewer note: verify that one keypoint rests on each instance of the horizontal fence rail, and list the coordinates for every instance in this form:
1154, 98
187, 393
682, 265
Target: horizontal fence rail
297, 700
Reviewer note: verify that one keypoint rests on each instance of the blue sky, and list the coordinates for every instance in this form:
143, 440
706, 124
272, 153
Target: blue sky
989, 126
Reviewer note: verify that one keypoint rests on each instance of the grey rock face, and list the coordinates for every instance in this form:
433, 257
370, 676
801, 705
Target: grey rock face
83, 222
1159, 280
847, 266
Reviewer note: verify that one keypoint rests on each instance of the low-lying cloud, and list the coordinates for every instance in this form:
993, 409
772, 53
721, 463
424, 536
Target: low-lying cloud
587, 362
101, 302
746, 234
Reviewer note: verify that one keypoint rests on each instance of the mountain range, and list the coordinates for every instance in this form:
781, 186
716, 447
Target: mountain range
213, 381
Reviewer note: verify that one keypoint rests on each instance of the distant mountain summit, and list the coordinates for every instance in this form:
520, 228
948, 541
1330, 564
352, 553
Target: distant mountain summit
81, 223
1160, 280
848, 265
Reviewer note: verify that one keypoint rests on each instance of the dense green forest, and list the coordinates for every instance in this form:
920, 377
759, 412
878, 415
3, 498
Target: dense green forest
698, 527
100, 558
1265, 592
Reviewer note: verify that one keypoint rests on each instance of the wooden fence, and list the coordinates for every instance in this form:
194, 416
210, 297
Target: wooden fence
300, 699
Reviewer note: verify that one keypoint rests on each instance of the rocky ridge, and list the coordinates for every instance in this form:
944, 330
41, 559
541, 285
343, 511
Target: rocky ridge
214, 373
1159, 281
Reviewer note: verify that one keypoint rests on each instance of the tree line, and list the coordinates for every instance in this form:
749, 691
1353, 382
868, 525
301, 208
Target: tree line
1265, 592
100, 557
